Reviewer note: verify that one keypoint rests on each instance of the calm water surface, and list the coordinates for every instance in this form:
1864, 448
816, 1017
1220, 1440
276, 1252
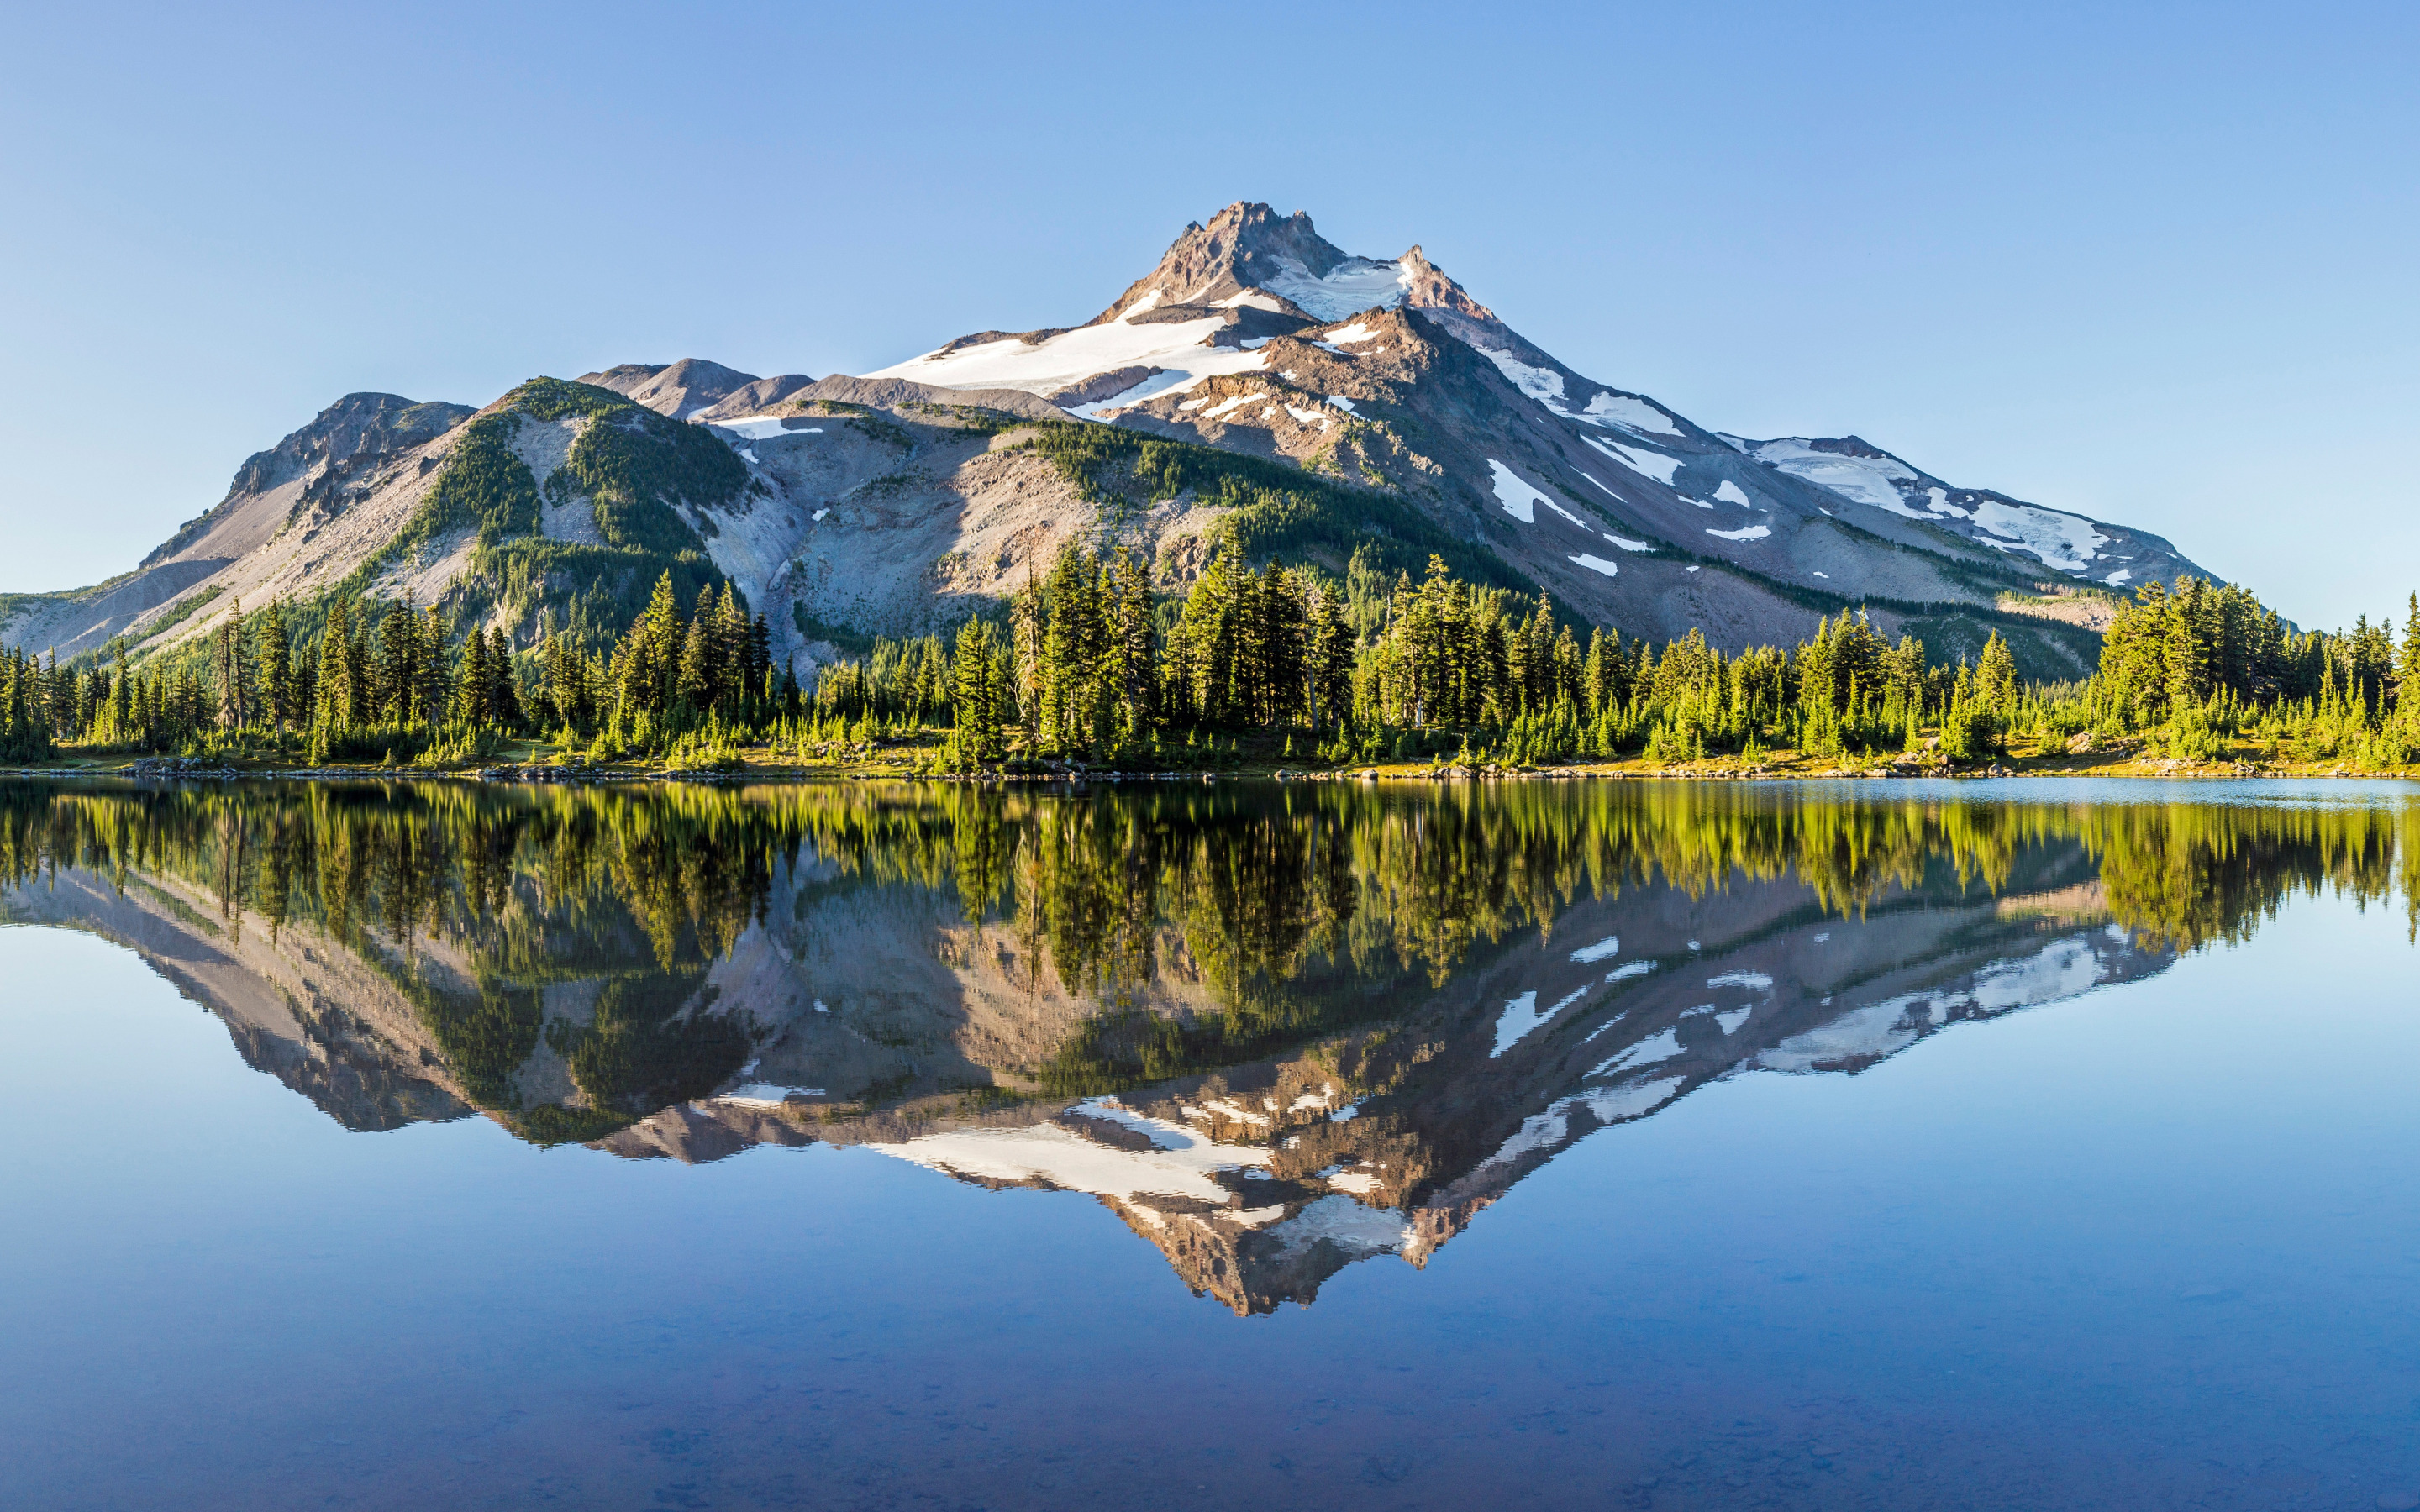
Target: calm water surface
1543, 1146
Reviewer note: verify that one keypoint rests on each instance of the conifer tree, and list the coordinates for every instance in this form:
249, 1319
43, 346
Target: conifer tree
275, 652
693, 691
436, 683
232, 665
333, 707
471, 693
504, 693
976, 692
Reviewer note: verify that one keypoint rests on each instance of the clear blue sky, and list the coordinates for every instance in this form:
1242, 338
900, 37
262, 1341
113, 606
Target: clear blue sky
2152, 263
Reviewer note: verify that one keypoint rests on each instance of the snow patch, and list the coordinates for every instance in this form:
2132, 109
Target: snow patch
1731, 493
2063, 968
1646, 464
1627, 544
1064, 1158
1347, 1224
1311, 1102
2067, 542
1629, 414
1355, 285
1864, 479
762, 428
1518, 497
1545, 1131
1746, 533
1543, 384
767, 1094
1181, 347
1615, 1104
1596, 564
1645, 1053
1521, 1015
1591, 954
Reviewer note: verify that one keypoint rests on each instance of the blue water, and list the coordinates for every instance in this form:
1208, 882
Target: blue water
2155, 1245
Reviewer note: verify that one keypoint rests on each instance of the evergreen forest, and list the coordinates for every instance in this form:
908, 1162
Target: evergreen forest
1096, 663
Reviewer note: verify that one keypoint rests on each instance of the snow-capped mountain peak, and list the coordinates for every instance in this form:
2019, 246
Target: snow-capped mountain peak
1418, 421
1254, 333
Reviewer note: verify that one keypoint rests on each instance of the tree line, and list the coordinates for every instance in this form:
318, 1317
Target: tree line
384, 680
1093, 661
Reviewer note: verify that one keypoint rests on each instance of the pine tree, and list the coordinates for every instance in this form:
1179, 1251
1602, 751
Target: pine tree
1329, 661
472, 693
435, 685
976, 692
2192, 645
232, 668
1996, 676
332, 709
693, 692
760, 658
397, 666
504, 692
647, 662
275, 652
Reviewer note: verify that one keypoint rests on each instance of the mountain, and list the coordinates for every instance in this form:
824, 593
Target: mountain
693, 385
1255, 335
1341, 403
317, 469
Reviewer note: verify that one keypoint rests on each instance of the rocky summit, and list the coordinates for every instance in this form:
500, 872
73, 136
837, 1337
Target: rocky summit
1259, 387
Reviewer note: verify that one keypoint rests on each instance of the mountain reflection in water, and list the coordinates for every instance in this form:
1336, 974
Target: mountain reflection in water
1276, 1029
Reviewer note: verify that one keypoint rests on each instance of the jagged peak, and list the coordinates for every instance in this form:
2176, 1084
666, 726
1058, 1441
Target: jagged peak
678, 388
1248, 248
357, 422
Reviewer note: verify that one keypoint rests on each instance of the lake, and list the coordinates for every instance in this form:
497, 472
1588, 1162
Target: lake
1335, 1145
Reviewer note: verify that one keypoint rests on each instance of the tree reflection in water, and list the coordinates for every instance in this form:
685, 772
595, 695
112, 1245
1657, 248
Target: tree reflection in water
1278, 1028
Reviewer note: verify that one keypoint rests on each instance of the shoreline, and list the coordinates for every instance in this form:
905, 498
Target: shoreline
747, 775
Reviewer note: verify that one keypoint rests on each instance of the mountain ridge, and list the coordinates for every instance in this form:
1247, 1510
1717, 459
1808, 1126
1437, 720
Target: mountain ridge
890, 504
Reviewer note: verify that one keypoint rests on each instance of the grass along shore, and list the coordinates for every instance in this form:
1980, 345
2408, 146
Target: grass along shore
922, 756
